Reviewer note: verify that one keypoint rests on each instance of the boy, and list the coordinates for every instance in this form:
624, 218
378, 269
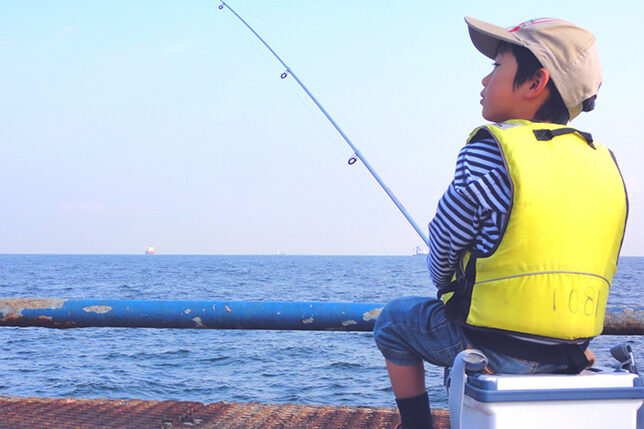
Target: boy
525, 240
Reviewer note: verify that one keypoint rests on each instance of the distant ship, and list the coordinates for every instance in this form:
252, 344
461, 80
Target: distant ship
149, 250
420, 252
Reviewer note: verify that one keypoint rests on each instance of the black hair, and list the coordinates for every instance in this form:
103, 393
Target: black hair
553, 108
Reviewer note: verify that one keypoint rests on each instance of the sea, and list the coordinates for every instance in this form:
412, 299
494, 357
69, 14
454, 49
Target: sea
302, 367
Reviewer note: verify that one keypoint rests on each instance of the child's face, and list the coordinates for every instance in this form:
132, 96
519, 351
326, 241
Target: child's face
500, 100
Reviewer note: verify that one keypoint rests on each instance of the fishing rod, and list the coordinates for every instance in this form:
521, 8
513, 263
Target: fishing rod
356, 153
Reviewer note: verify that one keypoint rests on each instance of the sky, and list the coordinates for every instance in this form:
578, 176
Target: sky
165, 123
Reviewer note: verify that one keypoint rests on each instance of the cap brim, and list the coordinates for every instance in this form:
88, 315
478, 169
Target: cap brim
486, 37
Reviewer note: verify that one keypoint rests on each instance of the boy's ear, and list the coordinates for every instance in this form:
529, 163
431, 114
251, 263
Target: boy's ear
537, 83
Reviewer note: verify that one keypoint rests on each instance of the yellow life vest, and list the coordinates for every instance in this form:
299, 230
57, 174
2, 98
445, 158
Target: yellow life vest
549, 275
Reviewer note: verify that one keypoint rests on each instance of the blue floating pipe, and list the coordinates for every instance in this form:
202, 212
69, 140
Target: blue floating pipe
63, 313
310, 316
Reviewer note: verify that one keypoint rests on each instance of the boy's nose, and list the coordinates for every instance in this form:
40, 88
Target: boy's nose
485, 80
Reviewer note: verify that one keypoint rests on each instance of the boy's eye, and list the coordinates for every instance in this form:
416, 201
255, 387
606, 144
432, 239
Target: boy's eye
495, 65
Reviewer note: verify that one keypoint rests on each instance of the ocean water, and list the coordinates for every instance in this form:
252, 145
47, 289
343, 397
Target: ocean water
341, 368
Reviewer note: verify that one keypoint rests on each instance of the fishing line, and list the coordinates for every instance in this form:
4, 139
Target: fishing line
314, 115
361, 181
356, 153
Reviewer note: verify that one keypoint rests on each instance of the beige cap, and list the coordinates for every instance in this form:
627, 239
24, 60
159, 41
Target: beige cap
568, 52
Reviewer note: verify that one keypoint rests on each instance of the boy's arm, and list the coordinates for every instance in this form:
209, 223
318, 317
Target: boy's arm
471, 212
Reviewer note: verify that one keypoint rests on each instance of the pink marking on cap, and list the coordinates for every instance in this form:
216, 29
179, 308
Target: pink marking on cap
533, 22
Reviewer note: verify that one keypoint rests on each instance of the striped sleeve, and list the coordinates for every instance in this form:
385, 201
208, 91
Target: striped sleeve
471, 213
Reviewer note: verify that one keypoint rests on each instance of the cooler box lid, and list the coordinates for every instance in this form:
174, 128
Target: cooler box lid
594, 384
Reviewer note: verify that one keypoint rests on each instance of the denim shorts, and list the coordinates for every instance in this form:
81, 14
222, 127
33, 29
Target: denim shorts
414, 329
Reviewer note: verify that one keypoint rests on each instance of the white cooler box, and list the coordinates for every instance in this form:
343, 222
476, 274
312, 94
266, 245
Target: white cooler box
595, 399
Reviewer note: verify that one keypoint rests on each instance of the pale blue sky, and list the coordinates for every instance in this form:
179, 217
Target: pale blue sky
125, 124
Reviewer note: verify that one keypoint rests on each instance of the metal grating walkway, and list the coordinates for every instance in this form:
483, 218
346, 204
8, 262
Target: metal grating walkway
30, 413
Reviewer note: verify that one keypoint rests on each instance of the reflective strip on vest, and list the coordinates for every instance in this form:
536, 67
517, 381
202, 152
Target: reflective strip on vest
550, 274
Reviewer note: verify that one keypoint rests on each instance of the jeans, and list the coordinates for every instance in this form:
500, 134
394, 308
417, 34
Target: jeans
412, 329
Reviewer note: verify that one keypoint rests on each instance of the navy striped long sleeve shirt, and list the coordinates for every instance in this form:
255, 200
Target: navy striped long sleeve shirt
473, 210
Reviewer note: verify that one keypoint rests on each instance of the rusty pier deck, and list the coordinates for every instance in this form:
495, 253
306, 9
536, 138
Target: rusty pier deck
50, 413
